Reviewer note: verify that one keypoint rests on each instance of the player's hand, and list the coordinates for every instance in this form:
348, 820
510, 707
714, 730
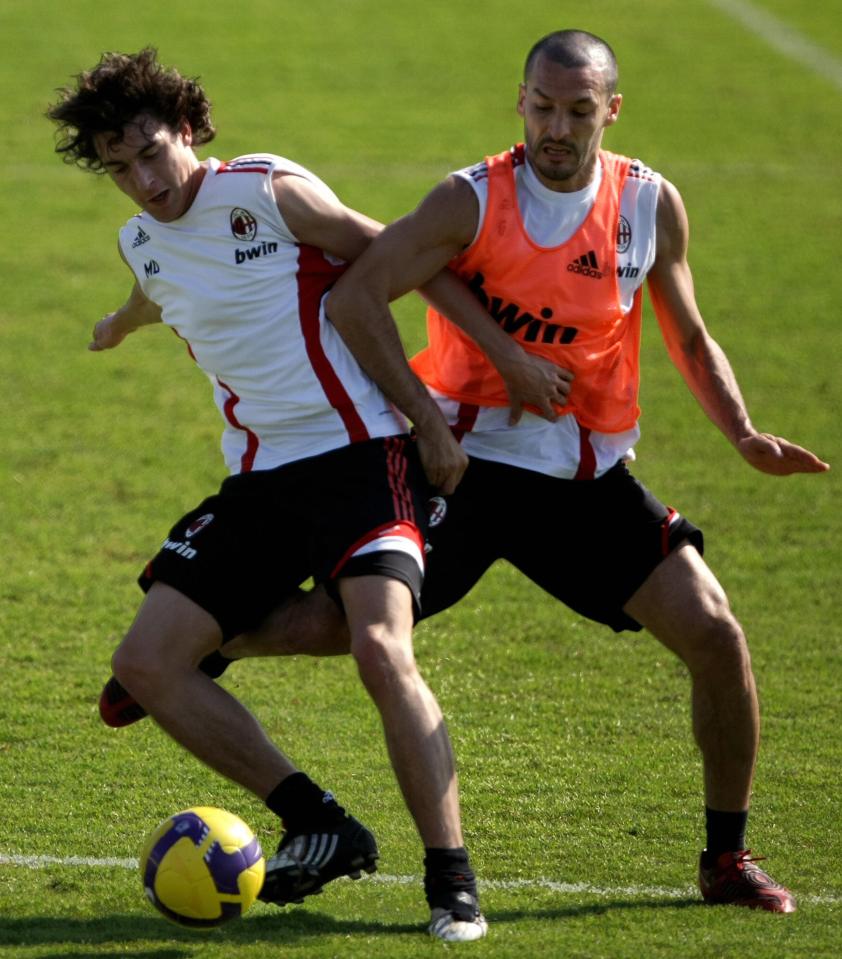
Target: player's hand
443, 459
777, 456
107, 334
537, 382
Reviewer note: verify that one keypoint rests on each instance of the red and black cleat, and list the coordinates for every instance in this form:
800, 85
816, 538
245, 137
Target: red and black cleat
117, 706
735, 879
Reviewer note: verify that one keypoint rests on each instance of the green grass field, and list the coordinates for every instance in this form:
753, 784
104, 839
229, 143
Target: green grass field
580, 783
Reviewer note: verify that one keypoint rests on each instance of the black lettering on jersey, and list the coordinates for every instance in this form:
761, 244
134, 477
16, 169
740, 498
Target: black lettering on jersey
253, 252
513, 319
508, 316
629, 272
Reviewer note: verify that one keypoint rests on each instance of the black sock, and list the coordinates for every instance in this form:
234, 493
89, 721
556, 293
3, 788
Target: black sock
726, 831
448, 866
448, 871
303, 805
438, 860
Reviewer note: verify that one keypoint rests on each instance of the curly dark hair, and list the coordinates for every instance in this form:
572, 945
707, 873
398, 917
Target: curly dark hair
119, 88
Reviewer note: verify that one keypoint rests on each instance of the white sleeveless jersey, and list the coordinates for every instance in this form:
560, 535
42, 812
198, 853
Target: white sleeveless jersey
246, 296
550, 219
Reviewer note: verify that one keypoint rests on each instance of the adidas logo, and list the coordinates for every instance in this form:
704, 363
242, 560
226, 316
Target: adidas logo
141, 238
315, 849
586, 265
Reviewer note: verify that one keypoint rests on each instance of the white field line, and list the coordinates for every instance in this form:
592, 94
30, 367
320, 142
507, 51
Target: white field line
44, 862
783, 38
551, 885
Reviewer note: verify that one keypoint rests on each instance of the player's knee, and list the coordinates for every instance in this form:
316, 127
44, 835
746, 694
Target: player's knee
142, 669
137, 673
382, 658
720, 647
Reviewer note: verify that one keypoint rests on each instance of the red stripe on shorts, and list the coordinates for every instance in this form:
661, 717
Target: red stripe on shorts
403, 528
672, 515
396, 467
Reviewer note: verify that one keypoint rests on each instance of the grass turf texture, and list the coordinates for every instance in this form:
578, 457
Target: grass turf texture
573, 744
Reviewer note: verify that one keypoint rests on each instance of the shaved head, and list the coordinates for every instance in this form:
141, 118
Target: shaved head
575, 49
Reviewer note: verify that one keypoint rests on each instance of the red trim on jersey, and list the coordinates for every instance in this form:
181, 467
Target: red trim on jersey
466, 418
186, 343
671, 517
225, 168
252, 442
587, 456
314, 275
404, 528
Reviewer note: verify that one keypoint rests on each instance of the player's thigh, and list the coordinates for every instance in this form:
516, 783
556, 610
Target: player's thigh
170, 632
379, 611
684, 606
308, 623
592, 544
377, 604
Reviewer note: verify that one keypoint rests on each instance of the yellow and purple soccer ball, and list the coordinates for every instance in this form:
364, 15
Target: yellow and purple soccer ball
202, 867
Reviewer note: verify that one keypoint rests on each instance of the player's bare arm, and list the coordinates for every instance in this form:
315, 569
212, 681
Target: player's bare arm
425, 241
419, 246
316, 218
112, 329
699, 358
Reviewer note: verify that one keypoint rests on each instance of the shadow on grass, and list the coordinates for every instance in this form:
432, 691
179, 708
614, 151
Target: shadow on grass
146, 931
592, 909
289, 927
122, 954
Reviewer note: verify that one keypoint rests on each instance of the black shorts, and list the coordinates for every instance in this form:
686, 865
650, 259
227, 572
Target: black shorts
355, 511
590, 544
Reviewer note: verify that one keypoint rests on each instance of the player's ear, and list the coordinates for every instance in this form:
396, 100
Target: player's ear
614, 104
521, 97
185, 131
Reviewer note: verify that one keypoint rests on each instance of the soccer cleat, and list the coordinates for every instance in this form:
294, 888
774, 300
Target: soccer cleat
446, 924
734, 878
454, 905
306, 861
118, 707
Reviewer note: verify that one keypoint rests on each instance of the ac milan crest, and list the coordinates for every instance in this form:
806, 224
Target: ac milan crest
437, 509
624, 235
198, 525
243, 224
